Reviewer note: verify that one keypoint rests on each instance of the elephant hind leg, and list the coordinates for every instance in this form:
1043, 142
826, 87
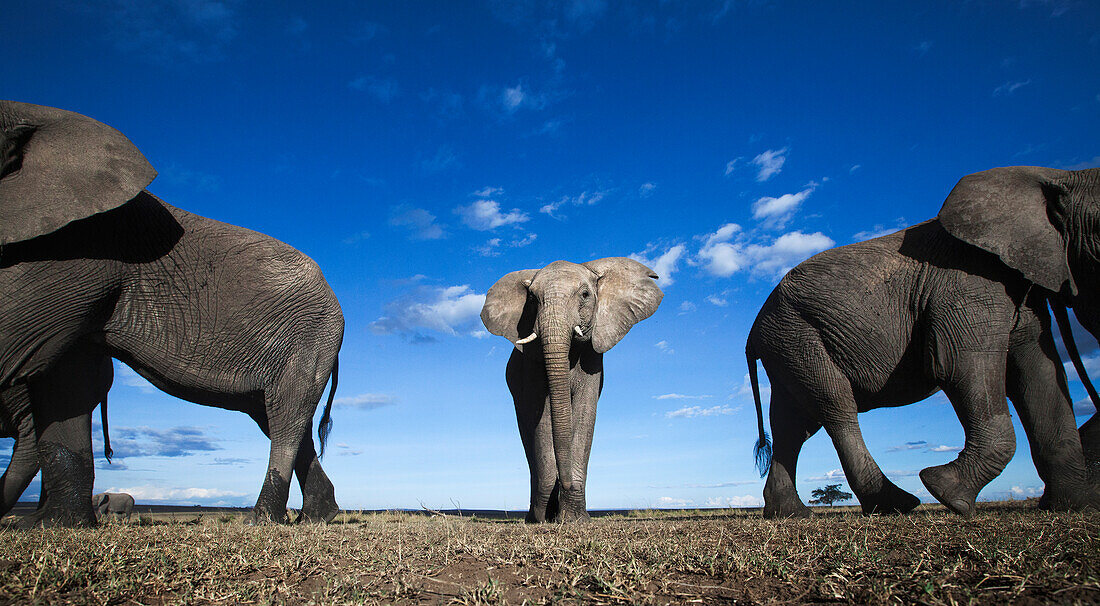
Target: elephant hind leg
318, 495
289, 411
791, 427
832, 394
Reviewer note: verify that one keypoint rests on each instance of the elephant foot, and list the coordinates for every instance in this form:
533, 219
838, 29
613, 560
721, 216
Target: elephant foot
317, 513
785, 508
942, 481
55, 517
572, 507
1085, 499
262, 515
890, 500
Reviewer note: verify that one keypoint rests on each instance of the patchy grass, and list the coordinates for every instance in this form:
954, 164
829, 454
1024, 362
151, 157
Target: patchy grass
1005, 554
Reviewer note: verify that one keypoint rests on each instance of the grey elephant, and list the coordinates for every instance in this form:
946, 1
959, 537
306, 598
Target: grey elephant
561, 319
208, 312
958, 304
119, 503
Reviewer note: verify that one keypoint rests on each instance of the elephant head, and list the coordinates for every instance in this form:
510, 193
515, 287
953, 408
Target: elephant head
1042, 222
593, 303
57, 167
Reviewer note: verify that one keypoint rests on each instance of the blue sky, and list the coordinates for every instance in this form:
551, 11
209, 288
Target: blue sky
420, 150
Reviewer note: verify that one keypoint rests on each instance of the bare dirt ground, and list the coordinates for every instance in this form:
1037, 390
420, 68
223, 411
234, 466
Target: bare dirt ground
1007, 553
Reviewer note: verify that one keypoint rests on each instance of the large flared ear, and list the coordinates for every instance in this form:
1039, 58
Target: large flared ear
507, 311
57, 167
625, 295
1015, 213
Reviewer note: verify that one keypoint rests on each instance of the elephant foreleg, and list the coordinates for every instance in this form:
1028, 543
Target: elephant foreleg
978, 396
529, 396
573, 505
23, 465
1036, 383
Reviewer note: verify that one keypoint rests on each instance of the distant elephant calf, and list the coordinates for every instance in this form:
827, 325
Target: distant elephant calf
118, 503
958, 304
561, 319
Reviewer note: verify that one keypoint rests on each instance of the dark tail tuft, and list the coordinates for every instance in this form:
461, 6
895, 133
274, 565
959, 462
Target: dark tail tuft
763, 450
325, 426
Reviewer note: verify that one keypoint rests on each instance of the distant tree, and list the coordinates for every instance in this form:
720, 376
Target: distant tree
829, 495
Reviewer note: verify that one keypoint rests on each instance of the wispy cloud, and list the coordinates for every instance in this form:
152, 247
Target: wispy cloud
585, 198
918, 445
443, 159
420, 223
690, 412
748, 500
451, 310
680, 396
664, 265
174, 30
877, 231
646, 189
485, 215
768, 163
365, 401
777, 212
144, 441
161, 494
1010, 87
382, 89
126, 375
665, 347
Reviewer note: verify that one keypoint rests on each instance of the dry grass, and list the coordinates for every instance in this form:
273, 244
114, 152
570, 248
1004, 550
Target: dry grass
1002, 555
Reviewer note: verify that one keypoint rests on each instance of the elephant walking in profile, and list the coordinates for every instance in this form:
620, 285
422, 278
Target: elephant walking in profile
93, 265
561, 319
959, 304
119, 503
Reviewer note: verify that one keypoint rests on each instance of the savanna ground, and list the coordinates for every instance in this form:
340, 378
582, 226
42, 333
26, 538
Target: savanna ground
1007, 553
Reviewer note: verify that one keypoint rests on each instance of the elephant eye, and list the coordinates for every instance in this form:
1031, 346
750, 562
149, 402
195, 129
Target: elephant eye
585, 294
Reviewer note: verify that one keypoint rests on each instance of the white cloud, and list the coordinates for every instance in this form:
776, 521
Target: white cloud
716, 301
776, 212
748, 500
919, 445
719, 256
664, 347
484, 215
689, 412
877, 232
583, 199
673, 502
665, 265
746, 387
687, 307
645, 189
942, 448
832, 474
731, 165
488, 192
680, 396
769, 162
451, 310
365, 401
1023, 492
175, 495
788, 250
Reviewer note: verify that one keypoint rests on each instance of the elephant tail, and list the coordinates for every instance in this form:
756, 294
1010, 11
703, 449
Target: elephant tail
325, 426
1071, 348
107, 451
763, 449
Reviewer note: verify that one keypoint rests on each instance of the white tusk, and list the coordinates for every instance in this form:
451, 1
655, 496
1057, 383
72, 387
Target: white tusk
577, 329
532, 337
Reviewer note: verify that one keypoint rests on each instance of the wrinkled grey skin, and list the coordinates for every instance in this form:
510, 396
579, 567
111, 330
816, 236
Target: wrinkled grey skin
562, 318
119, 503
80, 378
958, 303
208, 312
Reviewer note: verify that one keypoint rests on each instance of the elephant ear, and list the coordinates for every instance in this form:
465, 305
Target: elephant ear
1008, 212
625, 295
507, 312
57, 167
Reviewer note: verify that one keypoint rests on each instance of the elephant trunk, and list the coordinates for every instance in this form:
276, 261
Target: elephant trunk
557, 335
